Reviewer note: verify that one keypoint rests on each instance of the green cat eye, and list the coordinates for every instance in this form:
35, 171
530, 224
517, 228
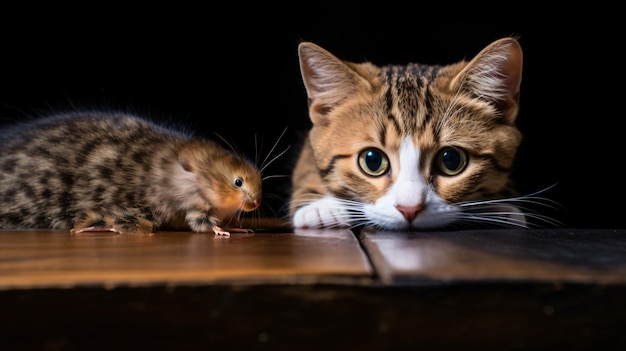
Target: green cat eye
373, 162
451, 160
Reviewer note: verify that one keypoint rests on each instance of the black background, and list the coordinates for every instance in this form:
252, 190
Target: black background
234, 72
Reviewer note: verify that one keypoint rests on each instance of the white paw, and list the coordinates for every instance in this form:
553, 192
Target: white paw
323, 213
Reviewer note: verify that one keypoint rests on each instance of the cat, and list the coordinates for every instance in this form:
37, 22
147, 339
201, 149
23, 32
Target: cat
410, 146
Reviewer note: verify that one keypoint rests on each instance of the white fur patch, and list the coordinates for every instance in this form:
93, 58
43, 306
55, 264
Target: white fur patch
410, 189
325, 212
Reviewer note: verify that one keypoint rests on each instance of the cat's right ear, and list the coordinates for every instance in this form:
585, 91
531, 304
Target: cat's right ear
495, 75
327, 79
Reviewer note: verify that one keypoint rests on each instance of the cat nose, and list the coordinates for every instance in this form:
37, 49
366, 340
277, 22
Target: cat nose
410, 212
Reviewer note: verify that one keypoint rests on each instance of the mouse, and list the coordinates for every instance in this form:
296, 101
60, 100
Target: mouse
121, 172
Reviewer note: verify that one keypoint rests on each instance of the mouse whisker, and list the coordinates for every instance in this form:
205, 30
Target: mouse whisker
266, 162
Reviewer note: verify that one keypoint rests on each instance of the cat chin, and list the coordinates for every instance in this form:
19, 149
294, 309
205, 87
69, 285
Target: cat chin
422, 222
405, 226
435, 215
330, 212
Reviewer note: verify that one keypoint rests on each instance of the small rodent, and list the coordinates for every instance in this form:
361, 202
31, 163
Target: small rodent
94, 171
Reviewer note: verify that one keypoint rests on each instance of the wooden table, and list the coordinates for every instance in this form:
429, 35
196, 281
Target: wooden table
314, 289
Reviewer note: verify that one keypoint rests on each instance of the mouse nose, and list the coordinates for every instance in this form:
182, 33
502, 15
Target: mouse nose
410, 212
254, 204
250, 205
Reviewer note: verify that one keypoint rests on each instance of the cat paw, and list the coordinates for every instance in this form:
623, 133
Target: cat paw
317, 215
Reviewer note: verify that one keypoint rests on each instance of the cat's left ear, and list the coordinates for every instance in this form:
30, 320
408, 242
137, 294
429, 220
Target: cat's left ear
495, 74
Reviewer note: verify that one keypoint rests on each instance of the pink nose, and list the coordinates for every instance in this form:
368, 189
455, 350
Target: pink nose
410, 212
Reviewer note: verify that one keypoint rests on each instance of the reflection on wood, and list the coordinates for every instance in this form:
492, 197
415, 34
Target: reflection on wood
283, 255
58, 258
595, 256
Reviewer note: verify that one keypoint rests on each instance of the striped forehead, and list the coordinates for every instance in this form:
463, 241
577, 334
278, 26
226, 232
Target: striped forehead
407, 98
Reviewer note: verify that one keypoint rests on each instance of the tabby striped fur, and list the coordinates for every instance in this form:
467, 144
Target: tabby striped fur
416, 116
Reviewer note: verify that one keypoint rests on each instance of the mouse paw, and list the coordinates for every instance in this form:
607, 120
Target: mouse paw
226, 232
91, 229
219, 231
91, 221
241, 230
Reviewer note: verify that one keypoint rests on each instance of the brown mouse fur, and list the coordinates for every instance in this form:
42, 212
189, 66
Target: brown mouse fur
89, 171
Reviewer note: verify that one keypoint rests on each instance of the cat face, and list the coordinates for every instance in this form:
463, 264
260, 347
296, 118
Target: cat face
407, 146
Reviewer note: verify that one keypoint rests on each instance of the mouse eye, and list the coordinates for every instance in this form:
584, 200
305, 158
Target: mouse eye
238, 182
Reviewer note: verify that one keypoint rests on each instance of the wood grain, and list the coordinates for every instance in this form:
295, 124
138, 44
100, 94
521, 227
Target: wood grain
61, 259
537, 255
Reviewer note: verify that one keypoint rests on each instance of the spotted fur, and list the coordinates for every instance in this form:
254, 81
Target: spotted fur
115, 171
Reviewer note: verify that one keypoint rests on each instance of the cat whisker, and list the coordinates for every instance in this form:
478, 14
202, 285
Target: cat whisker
520, 203
510, 201
508, 221
508, 217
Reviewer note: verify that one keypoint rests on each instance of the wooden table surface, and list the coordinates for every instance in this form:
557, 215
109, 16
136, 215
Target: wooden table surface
279, 287
54, 259
35, 259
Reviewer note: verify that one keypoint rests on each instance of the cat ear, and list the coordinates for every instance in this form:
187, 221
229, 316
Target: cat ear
327, 79
495, 74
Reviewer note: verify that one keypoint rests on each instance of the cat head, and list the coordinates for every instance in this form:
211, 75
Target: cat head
412, 142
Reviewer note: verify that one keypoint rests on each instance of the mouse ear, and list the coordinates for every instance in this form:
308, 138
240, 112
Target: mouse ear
187, 159
185, 163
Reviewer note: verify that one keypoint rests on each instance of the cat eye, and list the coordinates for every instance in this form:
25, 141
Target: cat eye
451, 160
373, 162
238, 182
